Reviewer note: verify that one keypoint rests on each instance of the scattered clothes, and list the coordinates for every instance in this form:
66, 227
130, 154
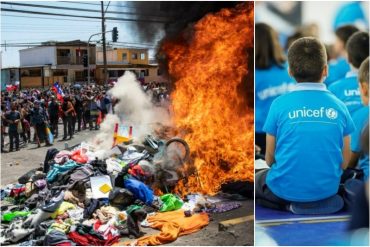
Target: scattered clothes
15, 214
223, 207
57, 169
60, 225
92, 205
28, 176
49, 157
62, 157
132, 156
140, 190
79, 156
86, 236
76, 214
62, 209
121, 198
14, 233
55, 237
105, 213
170, 202
36, 218
172, 225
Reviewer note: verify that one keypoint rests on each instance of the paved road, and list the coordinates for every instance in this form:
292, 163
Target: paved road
30, 157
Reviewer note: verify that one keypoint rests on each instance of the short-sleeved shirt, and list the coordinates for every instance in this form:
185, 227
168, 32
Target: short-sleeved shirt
348, 91
337, 70
270, 84
361, 119
309, 125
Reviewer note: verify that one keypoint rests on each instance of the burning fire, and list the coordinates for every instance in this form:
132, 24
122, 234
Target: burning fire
209, 69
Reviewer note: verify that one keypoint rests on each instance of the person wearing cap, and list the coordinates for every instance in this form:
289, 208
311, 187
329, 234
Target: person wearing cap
39, 120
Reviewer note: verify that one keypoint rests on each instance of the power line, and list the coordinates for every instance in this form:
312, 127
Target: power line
77, 9
80, 16
114, 5
51, 18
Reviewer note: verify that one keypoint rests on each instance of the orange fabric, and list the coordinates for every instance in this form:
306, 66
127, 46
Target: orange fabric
172, 225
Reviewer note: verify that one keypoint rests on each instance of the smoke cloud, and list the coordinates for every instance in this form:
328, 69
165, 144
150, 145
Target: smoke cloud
133, 109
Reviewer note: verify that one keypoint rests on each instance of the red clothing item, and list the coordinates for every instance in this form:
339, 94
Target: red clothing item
87, 240
64, 244
17, 192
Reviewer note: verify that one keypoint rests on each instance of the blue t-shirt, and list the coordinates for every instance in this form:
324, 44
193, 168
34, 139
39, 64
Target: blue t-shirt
361, 119
348, 91
270, 83
337, 70
309, 124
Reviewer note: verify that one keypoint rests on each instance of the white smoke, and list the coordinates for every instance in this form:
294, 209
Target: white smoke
133, 109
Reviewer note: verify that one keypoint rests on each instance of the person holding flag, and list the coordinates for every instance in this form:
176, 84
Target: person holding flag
58, 91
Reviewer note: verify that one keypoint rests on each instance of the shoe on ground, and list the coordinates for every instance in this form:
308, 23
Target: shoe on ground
329, 205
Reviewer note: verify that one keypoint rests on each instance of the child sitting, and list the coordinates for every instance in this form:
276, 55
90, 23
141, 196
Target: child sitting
361, 119
347, 89
307, 139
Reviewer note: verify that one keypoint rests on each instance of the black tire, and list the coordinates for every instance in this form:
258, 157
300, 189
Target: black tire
182, 143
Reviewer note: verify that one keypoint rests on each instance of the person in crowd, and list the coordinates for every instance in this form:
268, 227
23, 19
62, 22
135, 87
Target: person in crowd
347, 89
93, 110
13, 117
3, 124
307, 139
78, 108
26, 132
68, 113
339, 67
53, 110
272, 78
39, 120
361, 120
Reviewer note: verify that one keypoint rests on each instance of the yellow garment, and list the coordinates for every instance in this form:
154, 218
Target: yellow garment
62, 209
172, 225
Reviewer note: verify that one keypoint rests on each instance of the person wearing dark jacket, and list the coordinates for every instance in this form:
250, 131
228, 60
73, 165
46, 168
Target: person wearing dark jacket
39, 119
53, 109
68, 113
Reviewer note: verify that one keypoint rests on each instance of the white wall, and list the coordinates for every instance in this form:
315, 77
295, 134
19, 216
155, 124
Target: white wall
323, 13
38, 56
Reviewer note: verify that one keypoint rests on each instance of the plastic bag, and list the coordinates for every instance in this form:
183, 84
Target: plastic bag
171, 202
19, 128
49, 135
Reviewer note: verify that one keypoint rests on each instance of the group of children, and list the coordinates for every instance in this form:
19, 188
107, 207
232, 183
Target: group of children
312, 118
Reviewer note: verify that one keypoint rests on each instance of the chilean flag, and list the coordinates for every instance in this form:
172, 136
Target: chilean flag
58, 91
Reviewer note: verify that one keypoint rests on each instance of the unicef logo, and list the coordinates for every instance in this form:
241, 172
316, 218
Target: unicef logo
331, 113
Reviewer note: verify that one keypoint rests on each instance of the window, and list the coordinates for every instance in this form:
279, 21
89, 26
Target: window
159, 72
60, 72
134, 55
142, 56
124, 56
63, 52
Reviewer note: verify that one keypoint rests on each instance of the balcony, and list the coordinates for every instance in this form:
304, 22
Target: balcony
64, 60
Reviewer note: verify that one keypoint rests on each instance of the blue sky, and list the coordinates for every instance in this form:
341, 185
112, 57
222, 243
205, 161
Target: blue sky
40, 28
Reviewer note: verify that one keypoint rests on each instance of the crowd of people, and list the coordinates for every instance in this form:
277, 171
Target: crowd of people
81, 108
312, 118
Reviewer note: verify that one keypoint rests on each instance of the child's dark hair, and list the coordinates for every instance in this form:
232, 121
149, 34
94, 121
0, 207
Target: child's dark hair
268, 50
363, 72
307, 59
358, 48
344, 32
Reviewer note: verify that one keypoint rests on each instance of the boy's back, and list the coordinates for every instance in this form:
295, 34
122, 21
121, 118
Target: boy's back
309, 124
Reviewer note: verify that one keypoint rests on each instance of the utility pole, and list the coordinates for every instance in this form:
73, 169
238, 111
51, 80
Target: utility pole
104, 48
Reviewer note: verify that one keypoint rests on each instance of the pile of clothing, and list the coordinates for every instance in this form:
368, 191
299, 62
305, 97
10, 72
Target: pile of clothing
78, 199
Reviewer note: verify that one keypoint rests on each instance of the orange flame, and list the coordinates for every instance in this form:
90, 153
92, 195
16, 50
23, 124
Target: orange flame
210, 100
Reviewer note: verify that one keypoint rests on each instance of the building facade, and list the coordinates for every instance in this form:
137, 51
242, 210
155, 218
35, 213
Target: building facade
120, 60
43, 65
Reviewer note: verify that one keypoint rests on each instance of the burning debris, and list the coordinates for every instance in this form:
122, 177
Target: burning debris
209, 66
